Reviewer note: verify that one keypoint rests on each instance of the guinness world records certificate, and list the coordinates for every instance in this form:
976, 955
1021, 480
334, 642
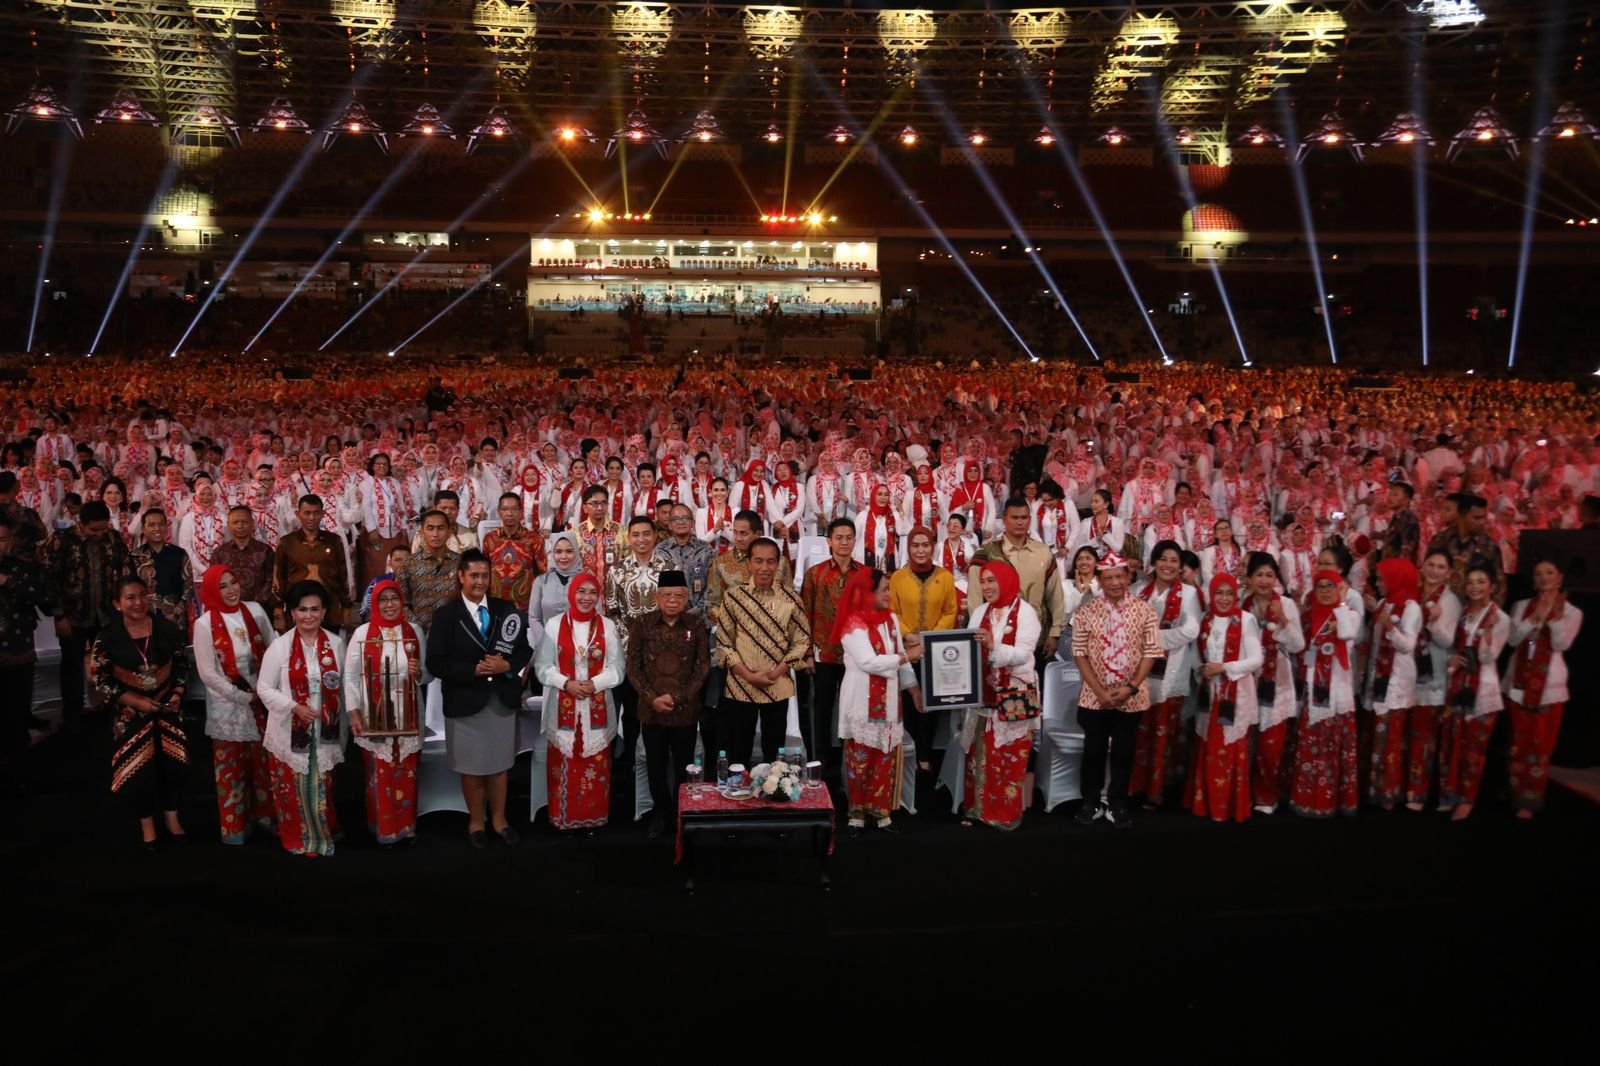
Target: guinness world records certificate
951, 670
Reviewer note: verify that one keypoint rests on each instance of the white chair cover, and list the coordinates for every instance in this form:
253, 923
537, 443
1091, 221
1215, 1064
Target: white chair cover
1060, 762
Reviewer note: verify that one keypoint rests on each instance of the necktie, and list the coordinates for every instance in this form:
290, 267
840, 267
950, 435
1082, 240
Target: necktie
483, 621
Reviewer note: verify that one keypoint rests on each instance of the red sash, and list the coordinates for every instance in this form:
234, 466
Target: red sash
1226, 688
1060, 510
877, 685
994, 681
924, 508
955, 555
222, 642
1383, 662
595, 651
1174, 605
1531, 667
1464, 683
300, 689
974, 496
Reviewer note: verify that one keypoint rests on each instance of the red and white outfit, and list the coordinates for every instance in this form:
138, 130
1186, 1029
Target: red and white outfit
1276, 705
1535, 685
972, 497
996, 757
580, 730
880, 541
304, 756
379, 658
228, 650
869, 702
1472, 703
1155, 754
1391, 680
1221, 788
1325, 772
201, 533
786, 506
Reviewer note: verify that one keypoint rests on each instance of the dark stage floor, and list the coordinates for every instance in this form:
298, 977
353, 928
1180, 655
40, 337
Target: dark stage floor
1283, 938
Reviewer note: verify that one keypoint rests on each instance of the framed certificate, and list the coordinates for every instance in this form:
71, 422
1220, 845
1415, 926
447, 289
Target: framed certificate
951, 670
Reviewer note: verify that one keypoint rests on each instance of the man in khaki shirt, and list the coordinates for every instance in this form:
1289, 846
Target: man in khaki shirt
1041, 582
761, 638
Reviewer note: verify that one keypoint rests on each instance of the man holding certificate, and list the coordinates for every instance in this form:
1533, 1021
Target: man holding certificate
478, 647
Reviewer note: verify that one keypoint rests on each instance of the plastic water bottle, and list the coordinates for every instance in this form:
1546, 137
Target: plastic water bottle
722, 769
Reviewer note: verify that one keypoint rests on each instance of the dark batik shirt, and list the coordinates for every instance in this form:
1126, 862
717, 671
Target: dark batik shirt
80, 575
20, 599
427, 583
252, 565
669, 659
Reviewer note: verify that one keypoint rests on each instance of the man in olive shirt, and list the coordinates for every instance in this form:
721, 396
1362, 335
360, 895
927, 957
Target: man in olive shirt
1041, 582
428, 581
311, 553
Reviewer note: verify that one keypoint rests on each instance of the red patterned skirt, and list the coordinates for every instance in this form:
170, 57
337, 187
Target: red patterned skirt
1533, 741
993, 784
244, 787
1422, 751
1463, 745
1386, 771
872, 779
580, 789
1325, 768
391, 798
1155, 752
1220, 787
1268, 773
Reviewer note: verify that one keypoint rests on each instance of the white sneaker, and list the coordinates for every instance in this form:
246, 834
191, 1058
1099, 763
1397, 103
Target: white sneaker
1263, 808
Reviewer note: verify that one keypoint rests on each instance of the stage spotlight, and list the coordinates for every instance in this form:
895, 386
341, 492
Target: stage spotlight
978, 138
908, 137
773, 134
1044, 138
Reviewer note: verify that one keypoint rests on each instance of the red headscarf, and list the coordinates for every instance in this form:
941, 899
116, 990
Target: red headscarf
1010, 583
211, 588
1320, 613
1224, 581
584, 578
372, 603
1401, 583
858, 607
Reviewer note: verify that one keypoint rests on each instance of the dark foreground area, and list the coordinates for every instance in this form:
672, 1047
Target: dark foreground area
1281, 939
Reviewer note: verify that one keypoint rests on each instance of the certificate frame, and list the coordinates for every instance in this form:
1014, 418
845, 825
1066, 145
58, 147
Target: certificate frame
947, 648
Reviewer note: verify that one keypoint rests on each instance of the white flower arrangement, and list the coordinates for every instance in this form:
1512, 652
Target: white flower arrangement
778, 781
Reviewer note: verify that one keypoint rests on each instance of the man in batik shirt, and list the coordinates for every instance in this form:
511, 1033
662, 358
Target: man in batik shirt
516, 553
601, 542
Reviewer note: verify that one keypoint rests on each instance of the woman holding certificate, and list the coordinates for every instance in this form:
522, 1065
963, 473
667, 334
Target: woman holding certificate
383, 673
998, 736
877, 667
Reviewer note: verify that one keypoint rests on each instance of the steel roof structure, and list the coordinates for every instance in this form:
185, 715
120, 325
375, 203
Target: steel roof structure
797, 72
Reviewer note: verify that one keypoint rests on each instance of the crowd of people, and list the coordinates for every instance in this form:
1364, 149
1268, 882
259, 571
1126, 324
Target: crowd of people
1278, 592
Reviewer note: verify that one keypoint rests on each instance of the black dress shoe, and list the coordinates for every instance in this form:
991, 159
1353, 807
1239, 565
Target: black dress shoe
657, 828
890, 828
178, 838
151, 845
508, 836
478, 839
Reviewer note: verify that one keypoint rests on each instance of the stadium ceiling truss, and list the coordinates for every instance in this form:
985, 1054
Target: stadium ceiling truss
1209, 67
